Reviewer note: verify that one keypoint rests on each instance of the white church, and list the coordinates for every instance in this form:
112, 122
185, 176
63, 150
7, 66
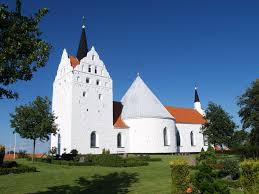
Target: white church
89, 120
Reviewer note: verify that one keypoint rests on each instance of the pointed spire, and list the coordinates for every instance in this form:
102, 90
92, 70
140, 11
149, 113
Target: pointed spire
82, 48
196, 96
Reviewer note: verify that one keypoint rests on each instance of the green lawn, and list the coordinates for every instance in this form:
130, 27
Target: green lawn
154, 178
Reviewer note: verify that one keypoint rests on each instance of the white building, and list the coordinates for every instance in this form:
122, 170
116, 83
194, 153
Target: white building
90, 121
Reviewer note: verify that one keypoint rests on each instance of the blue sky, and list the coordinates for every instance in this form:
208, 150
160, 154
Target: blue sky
173, 44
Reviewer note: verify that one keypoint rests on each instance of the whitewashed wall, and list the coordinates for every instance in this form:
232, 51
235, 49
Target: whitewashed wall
146, 135
184, 131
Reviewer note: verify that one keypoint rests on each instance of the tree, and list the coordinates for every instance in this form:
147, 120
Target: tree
249, 111
239, 138
34, 121
219, 126
22, 51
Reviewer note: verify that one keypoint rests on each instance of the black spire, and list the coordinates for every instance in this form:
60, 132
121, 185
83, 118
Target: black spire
196, 96
82, 49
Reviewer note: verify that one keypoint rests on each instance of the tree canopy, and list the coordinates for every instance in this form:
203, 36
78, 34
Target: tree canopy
34, 120
22, 51
219, 126
249, 111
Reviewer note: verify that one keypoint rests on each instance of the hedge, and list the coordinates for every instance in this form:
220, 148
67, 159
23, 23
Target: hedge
17, 170
180, 176
107, 160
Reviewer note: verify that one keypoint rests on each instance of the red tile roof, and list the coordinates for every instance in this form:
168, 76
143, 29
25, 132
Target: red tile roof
74, 61
117, 121
185, 115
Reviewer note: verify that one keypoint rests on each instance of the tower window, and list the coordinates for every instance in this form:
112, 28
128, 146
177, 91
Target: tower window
87, 80
84, 94
100, 96
98, 82
89, 69
59, 144
119, 140
95, 70
93, 140
93, 57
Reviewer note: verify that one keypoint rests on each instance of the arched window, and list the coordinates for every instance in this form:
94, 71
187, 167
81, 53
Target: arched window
95, 70
165, 134
93, 143
59, 144
191, 137
119, 140
97, 82
178, 139
89, 69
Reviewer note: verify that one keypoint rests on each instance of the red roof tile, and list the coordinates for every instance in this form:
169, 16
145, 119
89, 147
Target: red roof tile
74, 61
117, 121
186, 115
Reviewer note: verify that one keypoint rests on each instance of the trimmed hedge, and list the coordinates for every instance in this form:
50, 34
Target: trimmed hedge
107, 160
9, 164
180, 176
17, 170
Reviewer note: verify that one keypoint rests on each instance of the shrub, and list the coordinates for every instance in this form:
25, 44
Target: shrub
53, 151
230, 167
248, 152
9, 164
17, 170
67, 157
74, 152
205, 180
104, 151
250, 176
180, 176
2, 153
209, 156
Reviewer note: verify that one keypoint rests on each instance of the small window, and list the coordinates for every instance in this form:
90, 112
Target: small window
97, 82
119, 140
178, 139
89, 69
191, 137
165, 134
100, 96
78, 79
87, 80
95, 70
93, 57
84, 94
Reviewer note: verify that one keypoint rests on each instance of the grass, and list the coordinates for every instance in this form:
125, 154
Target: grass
154, 178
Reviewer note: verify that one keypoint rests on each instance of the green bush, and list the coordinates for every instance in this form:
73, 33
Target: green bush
2, 153
230, 167
209, 156
248, 152
17, 170
205, 180
180, 176
9, 164
250, 176
107, 160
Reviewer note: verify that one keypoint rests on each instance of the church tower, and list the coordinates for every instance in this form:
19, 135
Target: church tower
197, 103
82, 102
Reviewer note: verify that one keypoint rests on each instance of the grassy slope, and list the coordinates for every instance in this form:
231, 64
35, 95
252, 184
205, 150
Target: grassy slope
154, 178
